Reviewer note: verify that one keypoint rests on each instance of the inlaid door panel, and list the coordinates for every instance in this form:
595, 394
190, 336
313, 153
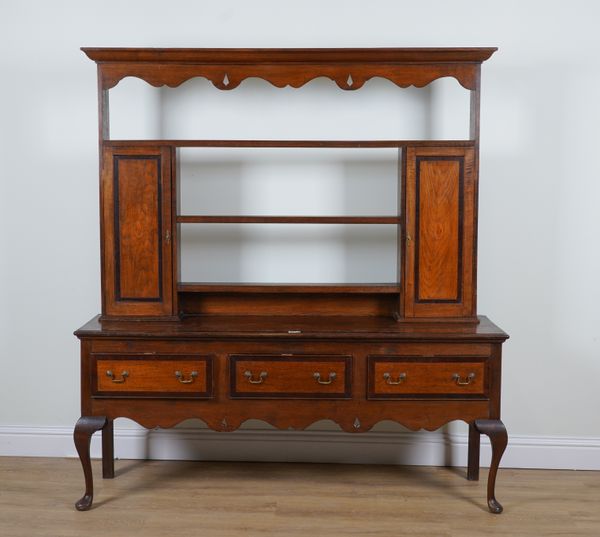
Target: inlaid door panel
439, 234
136, 218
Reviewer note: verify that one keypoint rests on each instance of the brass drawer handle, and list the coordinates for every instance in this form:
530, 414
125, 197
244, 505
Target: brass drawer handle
121, 380
180, 378
261, 377
459, 382
388, 378
317, 377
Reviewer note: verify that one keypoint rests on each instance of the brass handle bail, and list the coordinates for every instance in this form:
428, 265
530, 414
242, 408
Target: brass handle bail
180, 378
317, 377
117, 380
470, 378
388, 378
261, 377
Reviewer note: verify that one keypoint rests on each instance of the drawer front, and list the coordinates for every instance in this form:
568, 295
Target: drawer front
188, 376
395, 377
290, 376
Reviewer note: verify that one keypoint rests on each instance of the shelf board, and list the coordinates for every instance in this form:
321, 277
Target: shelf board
273, 56
292, 143
215, 219
303, 288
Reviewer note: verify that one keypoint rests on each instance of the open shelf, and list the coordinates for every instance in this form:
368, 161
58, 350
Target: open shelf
258, 288
292, 143
214, 219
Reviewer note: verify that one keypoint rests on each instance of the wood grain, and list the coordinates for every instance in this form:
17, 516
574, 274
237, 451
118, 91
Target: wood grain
425, 377
438, 232
290, 376
237, 302
137, 208
297, 413
136, 215
152, 375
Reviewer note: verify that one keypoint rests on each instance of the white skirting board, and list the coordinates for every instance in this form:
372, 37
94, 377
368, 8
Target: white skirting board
406, 448
268, 445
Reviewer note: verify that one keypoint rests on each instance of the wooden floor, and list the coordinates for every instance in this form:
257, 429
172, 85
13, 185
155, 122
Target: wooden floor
244, 499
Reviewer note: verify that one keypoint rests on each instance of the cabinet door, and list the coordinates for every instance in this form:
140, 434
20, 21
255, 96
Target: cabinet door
136, 232
439, 234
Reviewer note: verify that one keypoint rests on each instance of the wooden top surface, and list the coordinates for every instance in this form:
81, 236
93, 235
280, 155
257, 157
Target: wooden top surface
287, 55
290, 327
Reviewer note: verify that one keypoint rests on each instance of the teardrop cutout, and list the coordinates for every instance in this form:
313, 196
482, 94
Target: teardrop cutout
349, 81
226, 80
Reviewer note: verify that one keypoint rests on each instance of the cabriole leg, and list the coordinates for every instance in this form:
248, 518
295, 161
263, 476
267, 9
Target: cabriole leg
473, 458
498, 436
84, 429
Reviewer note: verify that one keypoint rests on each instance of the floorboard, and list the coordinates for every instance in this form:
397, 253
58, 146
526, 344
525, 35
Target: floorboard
229, 499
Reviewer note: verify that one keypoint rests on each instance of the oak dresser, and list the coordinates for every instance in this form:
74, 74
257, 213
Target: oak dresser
413, 350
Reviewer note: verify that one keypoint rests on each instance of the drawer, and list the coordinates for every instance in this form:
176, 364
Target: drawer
184, 376
395, 377
290, 376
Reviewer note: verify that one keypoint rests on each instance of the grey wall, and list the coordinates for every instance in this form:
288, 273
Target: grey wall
539, 258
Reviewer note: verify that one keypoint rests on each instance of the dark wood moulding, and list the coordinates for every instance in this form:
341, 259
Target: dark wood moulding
260, 327
349, 68
286, 55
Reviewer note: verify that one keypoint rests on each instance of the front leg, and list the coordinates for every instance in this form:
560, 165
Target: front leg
84, 429
496, 431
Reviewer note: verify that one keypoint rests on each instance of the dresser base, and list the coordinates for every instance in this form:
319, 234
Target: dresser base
355, 374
